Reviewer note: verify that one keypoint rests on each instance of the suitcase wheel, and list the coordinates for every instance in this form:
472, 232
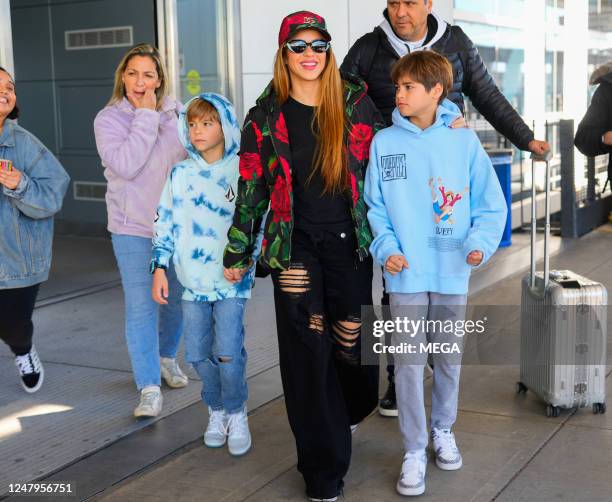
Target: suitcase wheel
520, 388
599, 408
552, 411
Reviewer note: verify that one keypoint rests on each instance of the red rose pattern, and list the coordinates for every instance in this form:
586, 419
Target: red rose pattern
281, 130
286, 172
258, 136
360, 140
280, 202
250, 166
354, 190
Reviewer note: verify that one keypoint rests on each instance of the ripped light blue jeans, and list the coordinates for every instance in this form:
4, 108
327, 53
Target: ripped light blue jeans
214, 345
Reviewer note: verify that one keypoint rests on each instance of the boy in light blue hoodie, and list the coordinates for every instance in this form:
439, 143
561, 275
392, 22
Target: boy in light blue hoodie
194, 215
436, 210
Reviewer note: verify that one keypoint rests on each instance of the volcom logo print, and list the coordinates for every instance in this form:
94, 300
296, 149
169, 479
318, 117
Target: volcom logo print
230, 195
393, 167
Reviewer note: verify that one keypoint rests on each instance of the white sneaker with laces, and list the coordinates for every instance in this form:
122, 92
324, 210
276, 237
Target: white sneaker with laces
150, 402
31, 371
412, 478
448, 457
216, 431
171, 372
239, 436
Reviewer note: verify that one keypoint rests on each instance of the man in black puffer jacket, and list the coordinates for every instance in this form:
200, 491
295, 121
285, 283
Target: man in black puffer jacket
594, 135
410, 25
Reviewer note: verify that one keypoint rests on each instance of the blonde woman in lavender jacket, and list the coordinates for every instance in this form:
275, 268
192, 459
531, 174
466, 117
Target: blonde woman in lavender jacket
137, 140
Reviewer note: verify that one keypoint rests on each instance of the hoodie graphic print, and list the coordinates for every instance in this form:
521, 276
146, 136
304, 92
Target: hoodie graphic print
196, 210
433, 196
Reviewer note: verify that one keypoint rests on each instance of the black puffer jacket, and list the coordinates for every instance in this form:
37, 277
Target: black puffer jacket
598, 118
372, 56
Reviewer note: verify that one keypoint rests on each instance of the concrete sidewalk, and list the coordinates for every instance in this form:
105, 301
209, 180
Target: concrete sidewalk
512, 451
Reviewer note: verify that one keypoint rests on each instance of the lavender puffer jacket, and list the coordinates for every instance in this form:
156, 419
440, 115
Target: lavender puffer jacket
138, 147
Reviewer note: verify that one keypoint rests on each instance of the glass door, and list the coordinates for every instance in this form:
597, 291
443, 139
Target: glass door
202, 47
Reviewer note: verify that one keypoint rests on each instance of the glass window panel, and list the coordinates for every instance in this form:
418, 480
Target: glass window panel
512, 8
202, 43
501, 49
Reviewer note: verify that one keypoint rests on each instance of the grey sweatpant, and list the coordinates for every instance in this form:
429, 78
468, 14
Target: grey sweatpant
409, 368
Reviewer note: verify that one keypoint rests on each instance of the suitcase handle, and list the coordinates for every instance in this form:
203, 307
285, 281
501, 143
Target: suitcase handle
546, 159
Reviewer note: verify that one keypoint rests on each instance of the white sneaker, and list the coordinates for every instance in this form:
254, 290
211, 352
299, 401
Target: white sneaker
216, 431
448, 457
323, 500
171, 372
239, 436
31, 371
412, 478
150, 402
354, 428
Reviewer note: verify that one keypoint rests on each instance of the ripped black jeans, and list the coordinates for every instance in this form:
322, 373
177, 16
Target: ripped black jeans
318, 317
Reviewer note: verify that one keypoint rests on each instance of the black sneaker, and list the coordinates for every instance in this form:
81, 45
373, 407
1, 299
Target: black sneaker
388, 404
31, 371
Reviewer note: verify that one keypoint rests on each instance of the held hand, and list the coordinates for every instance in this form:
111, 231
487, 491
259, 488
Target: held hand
459, 123
607, 138
538, 147
234, 275
475, 258
160, 287
396, 263
10, 179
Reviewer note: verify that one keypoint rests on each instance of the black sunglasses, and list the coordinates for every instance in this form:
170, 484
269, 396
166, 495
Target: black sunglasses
300, 46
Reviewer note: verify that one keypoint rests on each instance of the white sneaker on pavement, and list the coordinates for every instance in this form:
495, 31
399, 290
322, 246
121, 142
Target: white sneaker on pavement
150, 402
171, 372
216, 431
412, 478
239, 436
448, 457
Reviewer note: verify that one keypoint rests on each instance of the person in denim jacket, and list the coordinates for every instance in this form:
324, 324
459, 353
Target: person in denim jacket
138, 143
32, 188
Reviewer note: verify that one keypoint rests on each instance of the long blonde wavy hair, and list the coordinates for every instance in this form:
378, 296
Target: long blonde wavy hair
329, 120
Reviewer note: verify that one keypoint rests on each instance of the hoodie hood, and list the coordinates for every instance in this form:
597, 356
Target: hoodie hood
436, 26
602, 74
446, 114
229, 124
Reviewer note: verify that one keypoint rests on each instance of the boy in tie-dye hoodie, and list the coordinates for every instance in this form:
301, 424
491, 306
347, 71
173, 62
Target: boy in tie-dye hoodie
194, 215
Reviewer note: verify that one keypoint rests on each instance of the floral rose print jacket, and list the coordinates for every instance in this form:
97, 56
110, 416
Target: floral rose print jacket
265, 178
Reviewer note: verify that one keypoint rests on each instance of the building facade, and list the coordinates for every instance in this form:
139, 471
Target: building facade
64, 52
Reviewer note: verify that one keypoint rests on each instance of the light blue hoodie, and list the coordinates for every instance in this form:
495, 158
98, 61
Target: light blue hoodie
195, 213
433, 197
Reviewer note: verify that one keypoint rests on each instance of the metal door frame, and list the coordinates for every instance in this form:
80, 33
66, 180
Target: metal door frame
167, 41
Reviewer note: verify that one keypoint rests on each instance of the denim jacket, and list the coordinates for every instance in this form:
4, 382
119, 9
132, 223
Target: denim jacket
27, 212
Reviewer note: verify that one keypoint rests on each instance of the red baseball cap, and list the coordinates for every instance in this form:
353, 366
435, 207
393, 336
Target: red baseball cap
302, 20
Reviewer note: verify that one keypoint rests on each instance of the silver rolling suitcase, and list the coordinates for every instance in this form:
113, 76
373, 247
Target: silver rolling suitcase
563, 330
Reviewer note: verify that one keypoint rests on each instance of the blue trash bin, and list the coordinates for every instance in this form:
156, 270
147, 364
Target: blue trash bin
502, 163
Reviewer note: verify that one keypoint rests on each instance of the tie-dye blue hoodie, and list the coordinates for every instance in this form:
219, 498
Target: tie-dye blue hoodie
195, 213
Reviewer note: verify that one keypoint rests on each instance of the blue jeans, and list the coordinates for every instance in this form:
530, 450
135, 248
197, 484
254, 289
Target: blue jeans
214, 345
151, 330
